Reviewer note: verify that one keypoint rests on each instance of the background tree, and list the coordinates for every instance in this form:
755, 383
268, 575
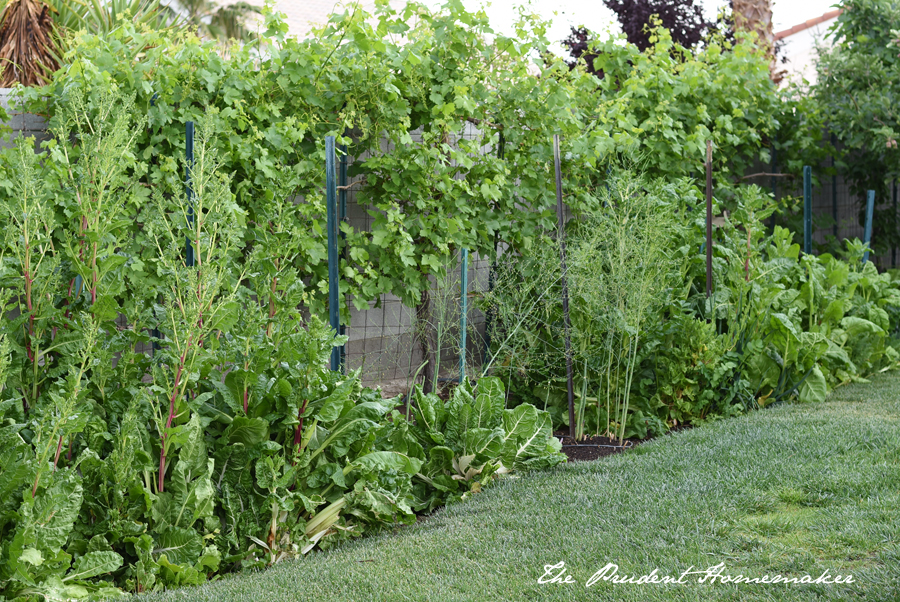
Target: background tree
755, 16
215, 22
683, 18
857, 86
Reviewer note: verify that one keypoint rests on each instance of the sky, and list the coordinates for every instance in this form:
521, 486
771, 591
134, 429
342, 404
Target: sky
595, 16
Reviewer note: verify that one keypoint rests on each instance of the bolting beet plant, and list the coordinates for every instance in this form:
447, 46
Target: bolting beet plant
225, 444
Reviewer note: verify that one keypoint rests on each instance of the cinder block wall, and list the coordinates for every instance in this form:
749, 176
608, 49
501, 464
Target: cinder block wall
381, 339
21, 123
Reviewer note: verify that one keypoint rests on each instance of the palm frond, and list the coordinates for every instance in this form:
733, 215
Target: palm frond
27, 44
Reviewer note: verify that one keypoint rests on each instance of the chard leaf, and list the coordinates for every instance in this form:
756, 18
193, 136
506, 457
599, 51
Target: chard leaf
325, 475
93, 564
440, 459
189, 438
32, 556
388, 460
519, 422
333, 407
55, 510
175, 574
527, 432
834, 312
483, 443
248, 431
178, 546
428, 410
490, 401
814, 388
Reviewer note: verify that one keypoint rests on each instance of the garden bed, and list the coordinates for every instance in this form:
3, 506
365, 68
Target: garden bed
797, 489
592, 447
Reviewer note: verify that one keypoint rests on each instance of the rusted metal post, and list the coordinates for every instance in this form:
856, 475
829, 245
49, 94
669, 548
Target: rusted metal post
561, 237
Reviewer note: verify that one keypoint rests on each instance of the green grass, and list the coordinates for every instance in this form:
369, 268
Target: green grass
790, 490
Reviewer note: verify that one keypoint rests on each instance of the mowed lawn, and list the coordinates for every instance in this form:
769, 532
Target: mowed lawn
791, 490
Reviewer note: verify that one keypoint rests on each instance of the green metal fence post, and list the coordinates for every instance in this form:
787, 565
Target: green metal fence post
189, 156
870, 209
709, 217
896, 229
834, 212
342, 217
334, 311
463, 308
807, 209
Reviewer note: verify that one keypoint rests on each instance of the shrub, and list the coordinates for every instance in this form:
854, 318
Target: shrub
230, 445
777, 326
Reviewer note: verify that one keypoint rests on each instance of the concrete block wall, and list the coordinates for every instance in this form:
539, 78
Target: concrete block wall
21, 123
382, 338
830, 198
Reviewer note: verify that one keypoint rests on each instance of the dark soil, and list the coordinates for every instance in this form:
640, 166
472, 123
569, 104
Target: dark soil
593, 447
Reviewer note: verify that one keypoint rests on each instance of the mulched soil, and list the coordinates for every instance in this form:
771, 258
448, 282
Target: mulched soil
595, 447
592, 447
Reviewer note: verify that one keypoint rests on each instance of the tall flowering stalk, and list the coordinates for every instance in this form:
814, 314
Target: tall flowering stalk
200, 299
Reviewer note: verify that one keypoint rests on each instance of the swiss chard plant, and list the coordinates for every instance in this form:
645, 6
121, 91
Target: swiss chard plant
158, 436
465, 440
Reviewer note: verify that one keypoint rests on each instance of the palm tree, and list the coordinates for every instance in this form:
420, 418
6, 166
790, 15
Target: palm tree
205, 17
756, 16
27, 44
209, 20
102, 16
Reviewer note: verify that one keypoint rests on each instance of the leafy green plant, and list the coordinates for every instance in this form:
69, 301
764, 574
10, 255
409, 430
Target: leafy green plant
230, 444
786, 316
781, 326
689, 375
626, 263
471, 436
857, 78
666, 102
623, 268
201, 297
30, 274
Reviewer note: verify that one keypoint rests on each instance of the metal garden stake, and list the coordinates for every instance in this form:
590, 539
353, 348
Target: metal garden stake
334, 312
807, 209
342, 216
561, 236
834, 211
189, 155
870, 209
489, 318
